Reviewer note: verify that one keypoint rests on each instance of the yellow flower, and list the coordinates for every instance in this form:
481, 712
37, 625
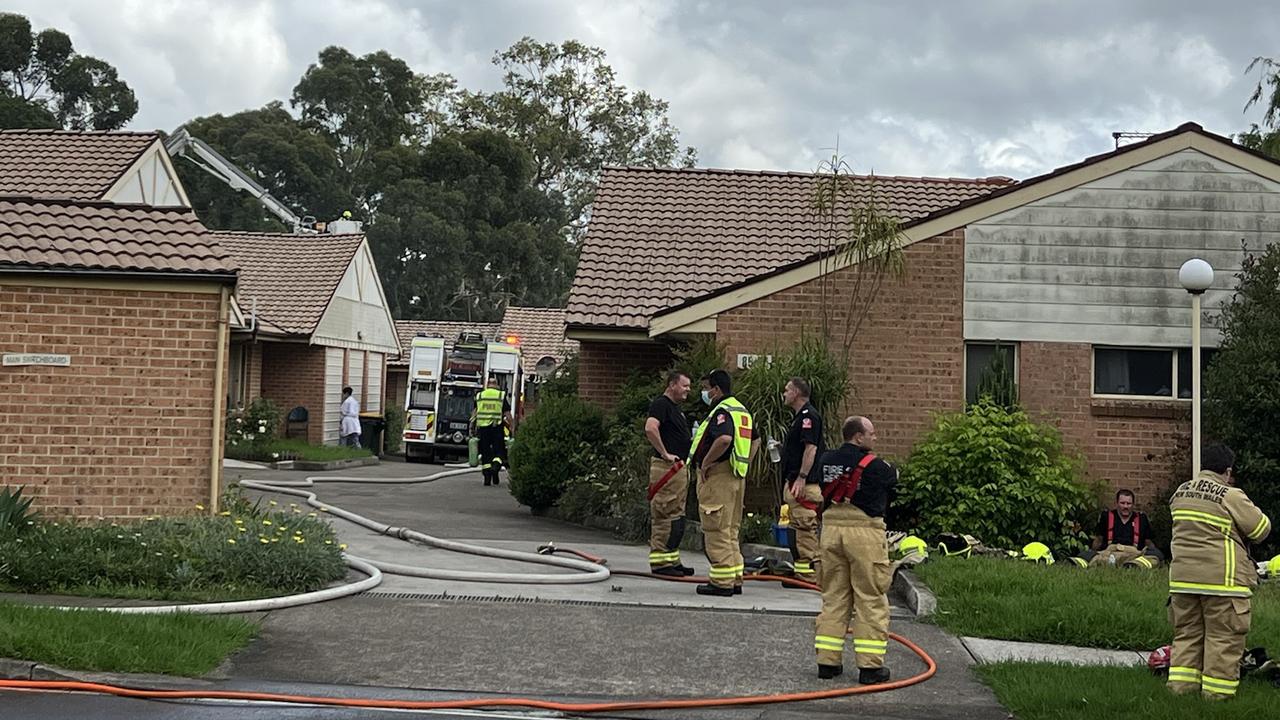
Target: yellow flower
293, 504
225, 513
266, 522
275, 539
243, 530
263, 540
343, 546
311, 515
328, 542
199, 506
272, 503
231, 541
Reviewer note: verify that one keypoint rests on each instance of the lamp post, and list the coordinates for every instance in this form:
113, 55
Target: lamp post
1196, 276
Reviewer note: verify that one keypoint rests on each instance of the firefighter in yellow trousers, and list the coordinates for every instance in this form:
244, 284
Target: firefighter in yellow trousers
722, 450
1211, 578
856, 573
800, 487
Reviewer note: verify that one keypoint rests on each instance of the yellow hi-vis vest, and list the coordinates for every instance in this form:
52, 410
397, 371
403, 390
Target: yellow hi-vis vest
489, 407
740, 455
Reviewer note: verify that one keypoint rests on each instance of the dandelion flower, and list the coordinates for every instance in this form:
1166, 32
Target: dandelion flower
272, 503
266, 522
328, 542
263, 540
225, 513
343, 546
231, 541
199, 506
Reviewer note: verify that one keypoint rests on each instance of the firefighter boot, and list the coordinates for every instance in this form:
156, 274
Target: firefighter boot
873, 676
827, 672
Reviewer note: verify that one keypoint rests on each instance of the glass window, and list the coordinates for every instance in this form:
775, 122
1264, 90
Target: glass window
979, 357
1184, 368
1118, 371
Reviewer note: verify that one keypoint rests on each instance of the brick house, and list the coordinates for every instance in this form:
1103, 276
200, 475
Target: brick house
315, 320
1073, 273
539, 331
114, 302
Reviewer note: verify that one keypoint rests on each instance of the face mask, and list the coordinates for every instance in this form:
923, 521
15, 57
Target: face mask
706, 396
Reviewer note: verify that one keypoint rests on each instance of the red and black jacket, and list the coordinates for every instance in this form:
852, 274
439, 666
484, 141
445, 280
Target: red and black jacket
854, 475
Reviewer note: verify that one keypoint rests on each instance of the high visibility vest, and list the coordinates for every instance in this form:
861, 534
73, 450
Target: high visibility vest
489, 407
740, 454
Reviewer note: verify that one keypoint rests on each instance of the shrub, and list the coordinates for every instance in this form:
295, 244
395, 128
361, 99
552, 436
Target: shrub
250, 431
394, 433
614, 484
995, 474
15, 510
563, 381
548, 451
247, 551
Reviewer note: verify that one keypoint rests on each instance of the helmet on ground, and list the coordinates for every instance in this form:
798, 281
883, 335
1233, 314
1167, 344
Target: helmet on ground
1037, 552
1273, 566
1158, 661
912, 544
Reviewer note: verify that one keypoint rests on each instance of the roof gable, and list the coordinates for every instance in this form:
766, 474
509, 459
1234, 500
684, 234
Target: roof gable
972, 210
288, 280
68, 164
659, 237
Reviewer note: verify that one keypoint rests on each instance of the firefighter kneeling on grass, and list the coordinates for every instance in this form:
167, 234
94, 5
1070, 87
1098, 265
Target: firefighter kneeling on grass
1211, 578
856, 573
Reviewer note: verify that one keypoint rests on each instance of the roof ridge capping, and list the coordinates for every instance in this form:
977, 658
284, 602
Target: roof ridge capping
992, 179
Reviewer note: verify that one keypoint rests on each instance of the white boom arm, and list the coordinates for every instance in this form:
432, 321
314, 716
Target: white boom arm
199, 153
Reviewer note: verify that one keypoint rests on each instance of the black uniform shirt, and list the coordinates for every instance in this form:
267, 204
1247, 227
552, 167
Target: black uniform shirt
1123, 532
673, 427
806, 429
876, 487
720, 423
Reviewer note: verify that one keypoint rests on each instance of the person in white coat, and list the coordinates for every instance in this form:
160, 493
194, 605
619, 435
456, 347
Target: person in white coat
349, 429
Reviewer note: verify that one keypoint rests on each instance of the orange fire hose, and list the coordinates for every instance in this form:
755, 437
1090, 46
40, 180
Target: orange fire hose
931, 668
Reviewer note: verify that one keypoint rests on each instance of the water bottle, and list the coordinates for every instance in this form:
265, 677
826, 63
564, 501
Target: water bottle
775, 455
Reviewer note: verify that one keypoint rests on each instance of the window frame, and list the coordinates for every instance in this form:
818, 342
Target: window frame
1174, 350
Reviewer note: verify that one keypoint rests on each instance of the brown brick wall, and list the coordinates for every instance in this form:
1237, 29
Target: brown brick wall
126, 430
293, 375
603, 366
1126, 443
907, 360
254, 380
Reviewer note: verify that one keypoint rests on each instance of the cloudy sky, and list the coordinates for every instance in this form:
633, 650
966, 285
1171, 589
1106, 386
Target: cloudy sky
927, 87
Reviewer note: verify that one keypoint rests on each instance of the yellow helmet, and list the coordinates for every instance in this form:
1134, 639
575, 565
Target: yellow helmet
1037, 552
912, 544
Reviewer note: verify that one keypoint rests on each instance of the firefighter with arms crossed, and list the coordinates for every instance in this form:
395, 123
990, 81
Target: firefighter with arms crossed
1211, 577
722, 450
856, 573
800, 478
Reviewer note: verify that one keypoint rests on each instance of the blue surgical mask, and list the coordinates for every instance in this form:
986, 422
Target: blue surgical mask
706, 396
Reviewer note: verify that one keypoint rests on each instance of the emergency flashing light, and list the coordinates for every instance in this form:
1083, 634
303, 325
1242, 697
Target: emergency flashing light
512, 340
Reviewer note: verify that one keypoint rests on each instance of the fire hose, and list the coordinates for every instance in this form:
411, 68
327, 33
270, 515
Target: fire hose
589, 568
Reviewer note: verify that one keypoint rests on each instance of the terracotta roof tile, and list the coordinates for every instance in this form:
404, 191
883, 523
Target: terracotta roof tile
659, 237
292, 277
41, 234
67, 164
541, 334
448, 329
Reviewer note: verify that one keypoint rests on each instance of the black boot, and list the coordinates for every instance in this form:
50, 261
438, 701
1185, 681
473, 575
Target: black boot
737, 589
684, 570
709, 589
873, 676
826, 672
668, 571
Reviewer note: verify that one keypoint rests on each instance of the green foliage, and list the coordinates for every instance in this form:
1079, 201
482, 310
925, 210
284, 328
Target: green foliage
250, 431
15, 510
631, 406
698, 357
758, 528
1242, 384
996, 381
995, 474
45, 83
563, 381
565, 104
548, 453
248, 551
394, 432
298, 449
179, 644
613, 485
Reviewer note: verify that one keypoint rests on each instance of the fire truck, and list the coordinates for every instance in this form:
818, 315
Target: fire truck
443, 382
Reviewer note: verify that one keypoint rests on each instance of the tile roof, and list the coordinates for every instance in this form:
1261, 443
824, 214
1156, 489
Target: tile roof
41, 234
292, 277
541, 334
67, 164
448, 329
659, 237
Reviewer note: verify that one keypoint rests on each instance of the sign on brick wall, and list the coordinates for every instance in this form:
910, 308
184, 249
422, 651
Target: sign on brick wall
745, 361
15, 359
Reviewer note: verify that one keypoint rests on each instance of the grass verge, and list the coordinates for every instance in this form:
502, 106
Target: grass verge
1045, 691
1063, 604
182, 644
294, 449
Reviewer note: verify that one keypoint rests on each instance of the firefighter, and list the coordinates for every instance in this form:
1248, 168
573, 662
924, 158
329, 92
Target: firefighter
491, 418
722, 449
667, 430
800, 488
1211, 578
1123, 537
856, 488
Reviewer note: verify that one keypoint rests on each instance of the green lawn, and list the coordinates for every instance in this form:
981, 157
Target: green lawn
300, 450
188, 645
1044, 691
1102, 607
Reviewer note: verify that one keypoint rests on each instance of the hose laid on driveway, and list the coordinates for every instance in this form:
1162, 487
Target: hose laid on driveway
593, 571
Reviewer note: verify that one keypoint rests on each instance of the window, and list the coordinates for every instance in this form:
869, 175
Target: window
237, 377
1145, 372
978, 357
